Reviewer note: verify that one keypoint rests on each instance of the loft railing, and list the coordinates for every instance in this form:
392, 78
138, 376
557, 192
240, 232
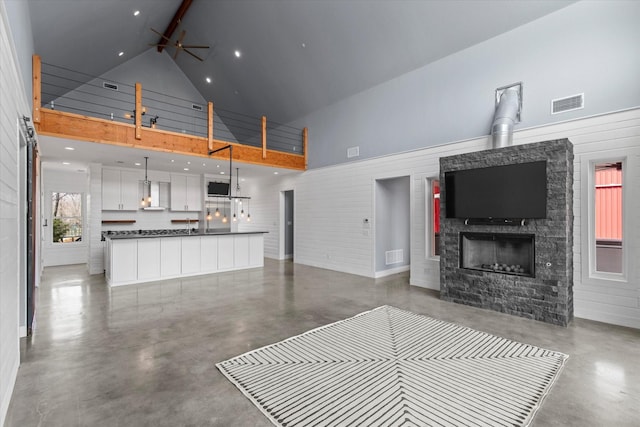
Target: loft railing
73, 104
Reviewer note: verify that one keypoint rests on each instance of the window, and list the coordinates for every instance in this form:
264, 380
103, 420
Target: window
66, 209
608, 217
433, 217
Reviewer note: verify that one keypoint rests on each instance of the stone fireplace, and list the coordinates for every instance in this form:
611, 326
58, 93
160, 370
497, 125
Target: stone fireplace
523, 267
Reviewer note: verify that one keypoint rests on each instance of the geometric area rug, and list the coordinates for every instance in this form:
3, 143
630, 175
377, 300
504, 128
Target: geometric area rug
390, 367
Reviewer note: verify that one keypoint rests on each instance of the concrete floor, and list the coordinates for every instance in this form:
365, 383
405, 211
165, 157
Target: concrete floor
144, 355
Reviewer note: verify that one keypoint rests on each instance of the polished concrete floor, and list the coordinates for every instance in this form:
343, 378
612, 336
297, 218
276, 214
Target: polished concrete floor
144, 355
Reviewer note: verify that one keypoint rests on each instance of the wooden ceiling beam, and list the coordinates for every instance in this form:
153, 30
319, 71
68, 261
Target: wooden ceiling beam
171, 28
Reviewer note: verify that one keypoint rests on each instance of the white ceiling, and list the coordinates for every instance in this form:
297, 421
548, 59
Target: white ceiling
297, 55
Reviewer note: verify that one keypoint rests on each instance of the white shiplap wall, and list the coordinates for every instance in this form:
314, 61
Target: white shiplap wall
331, 203
13, 105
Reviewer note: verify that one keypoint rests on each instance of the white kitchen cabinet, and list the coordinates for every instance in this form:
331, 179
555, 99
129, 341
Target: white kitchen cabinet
190, 255
138, 260
241, 251
225, 252
209, 254
124, 265
120, 190
256, 250
186, 193
170, 257
148, 259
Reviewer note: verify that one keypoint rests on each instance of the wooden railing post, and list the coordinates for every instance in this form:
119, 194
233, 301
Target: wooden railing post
36, 87
264, 137
210, 126
305, 135
138, 119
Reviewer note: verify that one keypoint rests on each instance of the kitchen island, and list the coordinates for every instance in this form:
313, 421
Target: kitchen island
140, 257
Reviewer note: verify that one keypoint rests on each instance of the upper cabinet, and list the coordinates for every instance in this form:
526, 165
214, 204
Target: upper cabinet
186, 192
120, 190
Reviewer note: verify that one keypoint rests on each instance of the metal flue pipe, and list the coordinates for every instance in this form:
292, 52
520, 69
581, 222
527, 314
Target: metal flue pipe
504, 118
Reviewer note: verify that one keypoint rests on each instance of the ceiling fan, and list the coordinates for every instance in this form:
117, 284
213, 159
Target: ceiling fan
178, 45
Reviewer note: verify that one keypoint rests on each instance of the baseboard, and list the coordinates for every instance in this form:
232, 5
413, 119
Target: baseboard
391, 271
23, 331
11, 383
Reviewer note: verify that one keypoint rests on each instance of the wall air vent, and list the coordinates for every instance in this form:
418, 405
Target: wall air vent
395, 256
196, 107
108, 85
568, 103
353, 152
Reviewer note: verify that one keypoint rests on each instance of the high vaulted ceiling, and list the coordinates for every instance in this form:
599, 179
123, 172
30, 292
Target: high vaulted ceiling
297, 55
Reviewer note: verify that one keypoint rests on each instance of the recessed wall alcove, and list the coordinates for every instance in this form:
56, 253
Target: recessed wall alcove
526, 268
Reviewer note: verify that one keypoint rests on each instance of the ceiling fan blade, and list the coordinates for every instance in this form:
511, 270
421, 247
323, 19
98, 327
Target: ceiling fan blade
182, 34
175, 55
194, 46
193, 54
158, 44
161, 35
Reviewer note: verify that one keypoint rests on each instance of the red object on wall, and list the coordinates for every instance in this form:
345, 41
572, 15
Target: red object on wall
608, 206
436, 208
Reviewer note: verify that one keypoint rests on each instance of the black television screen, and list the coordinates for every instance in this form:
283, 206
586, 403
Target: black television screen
517, 191
218, 188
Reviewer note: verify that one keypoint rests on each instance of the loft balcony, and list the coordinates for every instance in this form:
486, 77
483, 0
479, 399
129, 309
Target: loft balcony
73, 105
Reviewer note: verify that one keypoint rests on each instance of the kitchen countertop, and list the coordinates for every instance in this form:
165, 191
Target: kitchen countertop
178, 233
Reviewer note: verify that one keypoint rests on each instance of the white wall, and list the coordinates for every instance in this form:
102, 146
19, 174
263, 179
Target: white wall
331, 203
14, 104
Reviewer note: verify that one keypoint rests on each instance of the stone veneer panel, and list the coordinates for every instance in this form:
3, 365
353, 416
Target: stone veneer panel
549, 295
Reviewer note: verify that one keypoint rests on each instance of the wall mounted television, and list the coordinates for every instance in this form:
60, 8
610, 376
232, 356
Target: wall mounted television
215, 188
516, 191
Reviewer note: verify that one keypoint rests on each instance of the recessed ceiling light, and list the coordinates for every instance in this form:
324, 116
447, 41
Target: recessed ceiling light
242, 180
137, 164
66, 163
217, 166
222, 173
186, 169
237, 53
236, 92
303, 45
275, 173
69, 148
204, 164
172, 160
188, 163
208, 79
136, 13
120, 53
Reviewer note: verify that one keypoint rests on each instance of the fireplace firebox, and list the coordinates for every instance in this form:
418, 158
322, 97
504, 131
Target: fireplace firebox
498, 252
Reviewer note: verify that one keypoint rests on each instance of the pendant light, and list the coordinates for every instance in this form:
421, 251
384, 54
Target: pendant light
224, 217
248, 212
217, 214
147, 183
208, 215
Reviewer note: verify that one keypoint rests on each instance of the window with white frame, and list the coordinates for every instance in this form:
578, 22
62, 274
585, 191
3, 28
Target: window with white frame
432, 209
66, 214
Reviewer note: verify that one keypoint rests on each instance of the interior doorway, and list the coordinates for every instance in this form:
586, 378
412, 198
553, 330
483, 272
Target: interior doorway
392, 225
288, 224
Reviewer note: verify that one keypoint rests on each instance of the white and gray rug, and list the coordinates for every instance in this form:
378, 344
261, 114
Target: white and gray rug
390, 367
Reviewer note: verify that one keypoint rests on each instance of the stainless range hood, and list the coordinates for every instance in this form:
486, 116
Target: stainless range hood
154, 192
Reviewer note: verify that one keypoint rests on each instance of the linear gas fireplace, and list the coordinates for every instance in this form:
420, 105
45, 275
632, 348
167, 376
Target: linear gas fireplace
498, 252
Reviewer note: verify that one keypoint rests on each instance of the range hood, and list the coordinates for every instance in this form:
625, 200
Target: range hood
154, 192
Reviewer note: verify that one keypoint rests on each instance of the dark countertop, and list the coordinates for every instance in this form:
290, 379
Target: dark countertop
178, 233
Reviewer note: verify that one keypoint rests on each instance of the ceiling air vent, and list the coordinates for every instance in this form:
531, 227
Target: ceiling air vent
111, 86
569, 103
353, 152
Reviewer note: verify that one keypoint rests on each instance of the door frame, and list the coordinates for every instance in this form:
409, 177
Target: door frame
282, 225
